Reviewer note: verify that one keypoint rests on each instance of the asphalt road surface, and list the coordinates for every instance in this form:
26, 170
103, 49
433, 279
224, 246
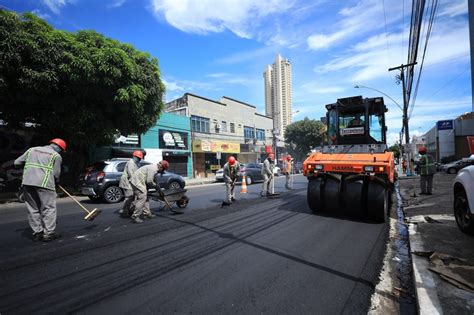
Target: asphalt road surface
257, 256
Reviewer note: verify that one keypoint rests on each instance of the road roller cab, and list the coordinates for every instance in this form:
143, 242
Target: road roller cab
354, 173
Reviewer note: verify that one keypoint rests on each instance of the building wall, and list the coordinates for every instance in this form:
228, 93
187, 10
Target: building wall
175, 127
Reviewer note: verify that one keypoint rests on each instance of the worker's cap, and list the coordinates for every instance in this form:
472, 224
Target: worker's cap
271, 156
60, 143
288, 157
164, 164
138, 154
231, 160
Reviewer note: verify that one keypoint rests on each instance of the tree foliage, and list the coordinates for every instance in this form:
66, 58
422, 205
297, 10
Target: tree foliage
303, 135
80, 86
396, 150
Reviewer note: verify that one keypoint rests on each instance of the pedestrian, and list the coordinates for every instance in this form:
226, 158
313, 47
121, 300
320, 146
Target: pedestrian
41, 171
141, 179
427, 169
132, 165
287, 170
231, 173
404, 166
267, 172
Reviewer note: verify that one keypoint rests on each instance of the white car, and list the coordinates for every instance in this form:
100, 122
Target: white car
220, 175
276, 171
464, 199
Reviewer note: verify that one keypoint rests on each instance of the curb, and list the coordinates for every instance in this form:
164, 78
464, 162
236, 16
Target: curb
425, 285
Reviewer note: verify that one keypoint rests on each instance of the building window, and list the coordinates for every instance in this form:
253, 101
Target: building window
249, 133
200, 124
232, 128
260, 134
224, 126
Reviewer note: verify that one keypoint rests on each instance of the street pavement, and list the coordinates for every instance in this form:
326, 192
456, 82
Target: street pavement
258, 255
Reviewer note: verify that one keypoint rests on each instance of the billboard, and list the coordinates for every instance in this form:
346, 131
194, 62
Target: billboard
445, 125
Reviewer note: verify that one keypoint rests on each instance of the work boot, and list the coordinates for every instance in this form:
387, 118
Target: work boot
149, 216
50, 237
137, 220
232, 199
38, 236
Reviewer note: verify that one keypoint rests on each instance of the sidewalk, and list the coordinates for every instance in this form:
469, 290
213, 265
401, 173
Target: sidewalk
200, 181
442, 256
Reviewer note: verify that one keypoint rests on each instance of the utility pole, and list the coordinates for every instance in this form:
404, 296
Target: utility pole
405, 99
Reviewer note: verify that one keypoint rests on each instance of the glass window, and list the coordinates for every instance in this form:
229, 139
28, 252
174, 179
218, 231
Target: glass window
232, 127
200, 124
249, 132
121, 166
224, 126
260, 134
375, 127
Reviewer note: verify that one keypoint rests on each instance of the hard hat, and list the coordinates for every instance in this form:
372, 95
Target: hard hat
164, 164
231, 160
138, 154
422, 150
60, 143
288, 157
271, 156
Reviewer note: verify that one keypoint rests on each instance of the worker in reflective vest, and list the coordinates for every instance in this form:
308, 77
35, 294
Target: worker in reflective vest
132, 165
267, 173
427, 169
41, 171
231, 173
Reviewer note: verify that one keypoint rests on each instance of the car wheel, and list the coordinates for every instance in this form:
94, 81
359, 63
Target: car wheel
113, 194
249, 180
462, 213
174, 185
452, 170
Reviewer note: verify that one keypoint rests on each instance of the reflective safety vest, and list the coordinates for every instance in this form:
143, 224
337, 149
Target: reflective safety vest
427, 165
42, 167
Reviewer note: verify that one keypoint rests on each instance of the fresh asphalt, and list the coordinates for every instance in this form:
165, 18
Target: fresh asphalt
258, 255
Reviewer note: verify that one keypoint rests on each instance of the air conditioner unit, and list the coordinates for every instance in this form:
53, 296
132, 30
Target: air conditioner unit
218, 126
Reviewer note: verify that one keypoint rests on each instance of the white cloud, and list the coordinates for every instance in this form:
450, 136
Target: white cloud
41, 14
207, 16
453, 8
245, 56
116, 4
172, 86
316, 87
56, 5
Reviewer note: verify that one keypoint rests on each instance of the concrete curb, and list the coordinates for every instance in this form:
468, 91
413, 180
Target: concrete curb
425, 285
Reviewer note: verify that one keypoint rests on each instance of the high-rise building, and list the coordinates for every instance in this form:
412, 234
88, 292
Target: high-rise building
278, 94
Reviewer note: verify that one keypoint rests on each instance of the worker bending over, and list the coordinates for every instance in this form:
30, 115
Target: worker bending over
267, 172
231, 172
141, 179
41, 171
132, 165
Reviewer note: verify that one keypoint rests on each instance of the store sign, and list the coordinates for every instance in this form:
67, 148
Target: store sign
215, 146
445, 125
173, 140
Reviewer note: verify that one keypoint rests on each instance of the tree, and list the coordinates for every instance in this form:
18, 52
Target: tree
396, 150
303, 135
82, 87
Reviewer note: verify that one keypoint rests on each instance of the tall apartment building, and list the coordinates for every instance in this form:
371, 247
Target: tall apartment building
278, 93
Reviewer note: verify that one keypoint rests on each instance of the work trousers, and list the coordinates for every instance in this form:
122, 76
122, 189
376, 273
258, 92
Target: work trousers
41, 205
128, 202
140, 203
229, 191
289, 181
426, 183
267, 185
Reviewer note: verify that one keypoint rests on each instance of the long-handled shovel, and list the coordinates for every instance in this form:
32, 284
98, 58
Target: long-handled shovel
90, 214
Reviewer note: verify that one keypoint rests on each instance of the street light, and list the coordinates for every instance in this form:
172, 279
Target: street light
358, 86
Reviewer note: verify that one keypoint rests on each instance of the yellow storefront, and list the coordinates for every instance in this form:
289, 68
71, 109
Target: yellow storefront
210, 155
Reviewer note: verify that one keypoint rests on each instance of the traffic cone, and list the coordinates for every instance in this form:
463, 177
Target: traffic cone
243, 188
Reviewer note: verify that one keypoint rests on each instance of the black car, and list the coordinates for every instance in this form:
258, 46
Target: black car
252, 171
101, 180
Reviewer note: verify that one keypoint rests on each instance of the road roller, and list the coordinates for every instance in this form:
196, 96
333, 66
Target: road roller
353, 174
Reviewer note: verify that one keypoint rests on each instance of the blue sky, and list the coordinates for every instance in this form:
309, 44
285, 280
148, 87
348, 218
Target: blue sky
217, 48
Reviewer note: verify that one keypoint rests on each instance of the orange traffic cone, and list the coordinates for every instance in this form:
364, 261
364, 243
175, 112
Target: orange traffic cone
243, 189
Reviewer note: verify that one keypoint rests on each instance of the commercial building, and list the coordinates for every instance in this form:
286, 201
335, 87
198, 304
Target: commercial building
448, 139
170, 140
223, 128
278, 94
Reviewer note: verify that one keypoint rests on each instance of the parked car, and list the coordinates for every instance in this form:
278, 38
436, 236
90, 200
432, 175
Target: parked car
101, 180
220, 175
252, 172
276, 170
464, 200
454, 167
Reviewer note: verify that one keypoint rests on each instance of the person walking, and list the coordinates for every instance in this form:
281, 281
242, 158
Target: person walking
141, 179
132, 165
267, 172
287, 170
427, 170
41, 172
231, 172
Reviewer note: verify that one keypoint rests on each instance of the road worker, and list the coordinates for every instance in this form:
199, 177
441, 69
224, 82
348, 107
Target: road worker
427, 169
141, 179
287, 170
132, 165
41, 171
231, 172
356, 122
267, 172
